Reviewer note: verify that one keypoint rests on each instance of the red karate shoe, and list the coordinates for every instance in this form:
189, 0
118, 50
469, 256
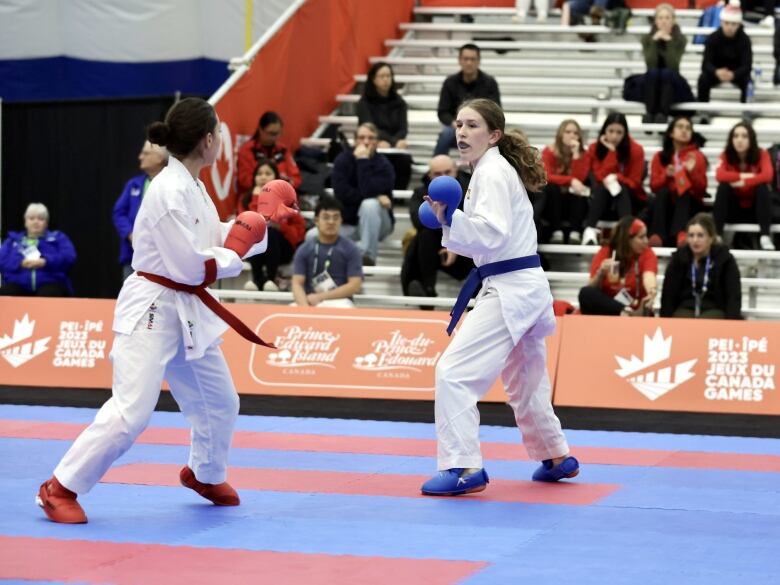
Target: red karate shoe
59, 503
222, 494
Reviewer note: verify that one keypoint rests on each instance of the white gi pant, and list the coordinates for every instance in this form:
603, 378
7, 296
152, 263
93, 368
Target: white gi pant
482, 349
203, 389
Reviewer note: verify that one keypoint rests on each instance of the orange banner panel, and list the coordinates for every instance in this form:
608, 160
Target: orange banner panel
361, 353
669, 364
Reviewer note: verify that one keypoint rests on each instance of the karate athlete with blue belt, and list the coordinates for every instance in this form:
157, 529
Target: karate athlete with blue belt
504, 333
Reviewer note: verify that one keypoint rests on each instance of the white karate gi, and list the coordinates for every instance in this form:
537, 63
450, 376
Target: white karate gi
165, 334
504, 333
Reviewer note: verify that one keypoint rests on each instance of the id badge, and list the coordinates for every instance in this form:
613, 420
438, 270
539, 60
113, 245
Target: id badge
322, 282
624, 297
31, 253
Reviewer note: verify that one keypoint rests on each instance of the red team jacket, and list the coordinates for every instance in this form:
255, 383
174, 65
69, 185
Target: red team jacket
629, 174
728, 173
697, 177
579, 168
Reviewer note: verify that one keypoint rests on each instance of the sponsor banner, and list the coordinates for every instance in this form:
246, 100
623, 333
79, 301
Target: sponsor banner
669, 364
362, 353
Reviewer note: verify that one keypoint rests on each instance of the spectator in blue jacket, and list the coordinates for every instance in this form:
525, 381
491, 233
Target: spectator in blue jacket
152, 159
36, 261
363, 181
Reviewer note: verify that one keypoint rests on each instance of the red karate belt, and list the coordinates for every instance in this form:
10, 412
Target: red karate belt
208, 300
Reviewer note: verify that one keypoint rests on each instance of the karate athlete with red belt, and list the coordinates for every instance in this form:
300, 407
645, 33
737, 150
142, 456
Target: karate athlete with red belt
504, 333
168, 325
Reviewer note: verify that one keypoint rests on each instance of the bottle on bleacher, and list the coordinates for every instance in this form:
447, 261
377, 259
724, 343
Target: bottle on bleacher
618, 169
283, 237
568, 189
469, 83
744, 177
265, 144
678, 180
702, 278
663, 48
623, 274
424, 255
728, 55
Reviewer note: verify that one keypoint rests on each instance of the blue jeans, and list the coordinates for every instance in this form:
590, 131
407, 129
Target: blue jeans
446, 141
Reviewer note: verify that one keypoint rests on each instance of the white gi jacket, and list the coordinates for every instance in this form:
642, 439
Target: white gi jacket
497, 224
177, 229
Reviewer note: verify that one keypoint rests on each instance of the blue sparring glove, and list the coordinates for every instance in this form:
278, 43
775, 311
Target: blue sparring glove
428, 217
446, 189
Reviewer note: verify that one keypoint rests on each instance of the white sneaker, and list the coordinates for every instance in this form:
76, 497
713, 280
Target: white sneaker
590, 236
557, 237
541, 17
575, 237
520, 16
767, 21
270, 286
250, 285
766, 243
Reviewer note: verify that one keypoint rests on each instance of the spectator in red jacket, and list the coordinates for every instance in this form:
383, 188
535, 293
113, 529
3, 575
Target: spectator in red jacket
283, 238
744, 176
678, 178
265, 144
618, 168
623, 274
568, 165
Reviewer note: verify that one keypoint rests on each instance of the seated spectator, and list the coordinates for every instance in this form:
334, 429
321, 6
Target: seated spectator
363, 180
327, 270
152, 159
425, 255
470, 82
663, 48
283, 238
728, 55
678, 178
618, 168
522, 6
575, 11
36, 261
744, 175
702, 278
381, 105
567, 191
615, 286
265, 144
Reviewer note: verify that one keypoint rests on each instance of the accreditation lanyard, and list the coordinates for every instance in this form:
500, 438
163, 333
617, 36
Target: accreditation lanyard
316, 259
698, 296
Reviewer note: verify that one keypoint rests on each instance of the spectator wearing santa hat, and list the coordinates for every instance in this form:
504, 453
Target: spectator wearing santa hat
728, 54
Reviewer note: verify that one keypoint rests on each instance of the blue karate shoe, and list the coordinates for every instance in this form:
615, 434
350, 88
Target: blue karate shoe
566, 469
451, 482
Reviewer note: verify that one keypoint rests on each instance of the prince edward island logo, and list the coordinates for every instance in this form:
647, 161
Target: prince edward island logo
17, 353
656, 381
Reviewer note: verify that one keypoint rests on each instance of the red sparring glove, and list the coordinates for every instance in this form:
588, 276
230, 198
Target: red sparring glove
277, 201
248, 229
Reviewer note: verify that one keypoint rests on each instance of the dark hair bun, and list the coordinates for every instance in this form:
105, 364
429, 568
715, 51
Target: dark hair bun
158, 133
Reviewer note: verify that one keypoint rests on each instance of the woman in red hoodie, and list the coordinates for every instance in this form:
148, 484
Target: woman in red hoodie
265, 144
744, 175
618, 166
566, 192
678, 178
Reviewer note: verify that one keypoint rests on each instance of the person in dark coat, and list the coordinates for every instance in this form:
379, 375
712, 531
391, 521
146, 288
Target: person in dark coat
728, 55
381, 105
702, 279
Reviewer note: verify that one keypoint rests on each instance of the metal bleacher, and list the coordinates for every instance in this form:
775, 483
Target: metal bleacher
547, 73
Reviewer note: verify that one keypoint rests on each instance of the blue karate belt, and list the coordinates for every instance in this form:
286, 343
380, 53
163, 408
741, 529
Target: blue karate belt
477, 275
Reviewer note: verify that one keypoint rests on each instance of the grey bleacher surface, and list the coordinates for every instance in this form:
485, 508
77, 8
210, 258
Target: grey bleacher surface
547, 73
